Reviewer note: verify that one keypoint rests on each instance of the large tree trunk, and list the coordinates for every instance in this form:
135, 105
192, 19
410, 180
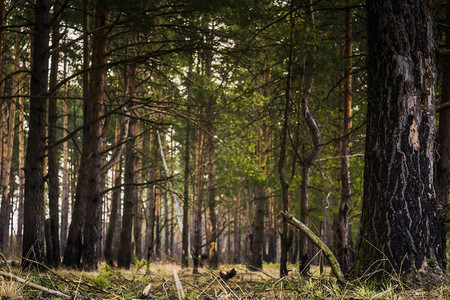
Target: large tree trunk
88, 197
94, 188
34, 208
53, 256
443, 167
400, 222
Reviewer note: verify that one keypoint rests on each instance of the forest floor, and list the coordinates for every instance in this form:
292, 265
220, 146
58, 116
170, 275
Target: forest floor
159, 281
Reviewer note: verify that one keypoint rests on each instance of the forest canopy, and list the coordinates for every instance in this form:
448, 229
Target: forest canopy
196, 131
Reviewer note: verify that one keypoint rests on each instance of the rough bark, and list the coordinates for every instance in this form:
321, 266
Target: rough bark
88, 198
400, 222
34, 207
443, 166
97, 84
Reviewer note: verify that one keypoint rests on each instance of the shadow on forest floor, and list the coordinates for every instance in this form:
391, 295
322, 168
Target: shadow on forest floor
169, 281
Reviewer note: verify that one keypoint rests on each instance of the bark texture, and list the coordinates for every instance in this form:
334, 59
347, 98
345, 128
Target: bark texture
443, 167
400, 225
84, 229
34, 206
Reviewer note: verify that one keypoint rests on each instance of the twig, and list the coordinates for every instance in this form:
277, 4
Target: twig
34, 285
261, 270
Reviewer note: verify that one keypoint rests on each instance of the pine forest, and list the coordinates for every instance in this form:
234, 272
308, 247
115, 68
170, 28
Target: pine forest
223, 149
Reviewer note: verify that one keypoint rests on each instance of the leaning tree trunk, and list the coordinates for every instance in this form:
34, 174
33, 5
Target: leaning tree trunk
400, 224
34, 206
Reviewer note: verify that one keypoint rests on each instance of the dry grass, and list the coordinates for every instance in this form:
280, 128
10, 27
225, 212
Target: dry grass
156, 281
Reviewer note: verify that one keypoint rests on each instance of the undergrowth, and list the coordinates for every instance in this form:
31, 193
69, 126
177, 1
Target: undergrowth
157, 281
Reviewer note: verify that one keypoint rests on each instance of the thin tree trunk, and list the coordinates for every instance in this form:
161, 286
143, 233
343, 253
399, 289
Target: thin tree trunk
255, 261
343, 234
307, 160
237, 228
198, 201
248, 224
130, 193
151, 198
21, 171
34, 207
272, 247
187, 158
115, 207
53, 257
286, 238
65, 172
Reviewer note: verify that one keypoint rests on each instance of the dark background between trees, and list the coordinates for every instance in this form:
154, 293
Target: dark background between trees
169, 129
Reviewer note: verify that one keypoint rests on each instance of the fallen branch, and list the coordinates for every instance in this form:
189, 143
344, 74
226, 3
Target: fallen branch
335, 266
34, 285
179, 286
